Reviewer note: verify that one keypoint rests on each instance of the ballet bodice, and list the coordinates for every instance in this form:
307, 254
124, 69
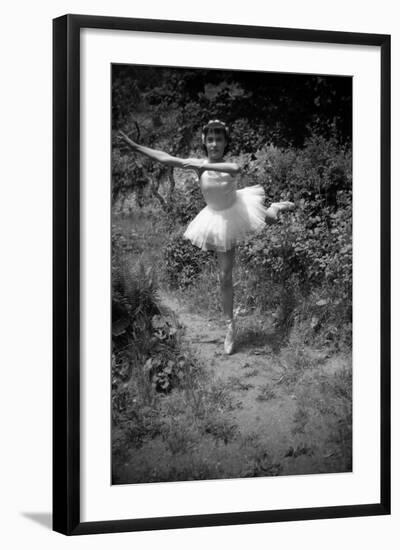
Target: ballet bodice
218, 189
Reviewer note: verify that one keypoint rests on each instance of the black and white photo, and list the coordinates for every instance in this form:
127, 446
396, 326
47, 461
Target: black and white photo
231, 274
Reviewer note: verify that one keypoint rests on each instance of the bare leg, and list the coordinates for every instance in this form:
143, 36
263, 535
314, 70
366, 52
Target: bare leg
225, 263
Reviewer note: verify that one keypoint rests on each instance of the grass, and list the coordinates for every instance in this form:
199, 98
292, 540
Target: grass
235, 383
267, 392
250, 373
322, 421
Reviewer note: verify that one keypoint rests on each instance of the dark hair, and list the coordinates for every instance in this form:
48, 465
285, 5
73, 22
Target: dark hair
219, 126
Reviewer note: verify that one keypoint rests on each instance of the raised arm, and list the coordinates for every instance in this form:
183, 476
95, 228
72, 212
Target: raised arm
155, 154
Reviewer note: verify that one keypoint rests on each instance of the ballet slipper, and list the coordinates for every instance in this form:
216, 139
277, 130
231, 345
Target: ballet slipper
230, 337
277, 207
283, 206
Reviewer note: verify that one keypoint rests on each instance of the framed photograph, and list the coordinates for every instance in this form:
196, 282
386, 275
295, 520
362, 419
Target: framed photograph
221, 268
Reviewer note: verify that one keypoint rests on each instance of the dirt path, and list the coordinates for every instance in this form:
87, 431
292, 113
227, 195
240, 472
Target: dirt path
250, 374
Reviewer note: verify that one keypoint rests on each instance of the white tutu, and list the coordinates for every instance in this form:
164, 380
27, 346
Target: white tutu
220, 230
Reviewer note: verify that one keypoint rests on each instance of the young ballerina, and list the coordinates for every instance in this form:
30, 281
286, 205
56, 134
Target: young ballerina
230, 214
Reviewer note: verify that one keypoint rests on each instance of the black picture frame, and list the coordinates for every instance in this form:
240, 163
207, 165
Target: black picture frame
66, 274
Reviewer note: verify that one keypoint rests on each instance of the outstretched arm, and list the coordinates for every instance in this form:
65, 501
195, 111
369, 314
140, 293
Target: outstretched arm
228, 167
154, 154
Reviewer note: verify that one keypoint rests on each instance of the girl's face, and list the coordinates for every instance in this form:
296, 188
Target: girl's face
215, 143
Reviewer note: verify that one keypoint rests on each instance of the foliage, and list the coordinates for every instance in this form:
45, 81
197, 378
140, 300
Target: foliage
187, 202
277, 108
145, 340
147, 356
309, 253
183, 261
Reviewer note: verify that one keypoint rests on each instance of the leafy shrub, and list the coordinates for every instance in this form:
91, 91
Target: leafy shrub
165, 366
310, 250
245, 136
316, 172
134, 303
183, 260
147, 359
186, 203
